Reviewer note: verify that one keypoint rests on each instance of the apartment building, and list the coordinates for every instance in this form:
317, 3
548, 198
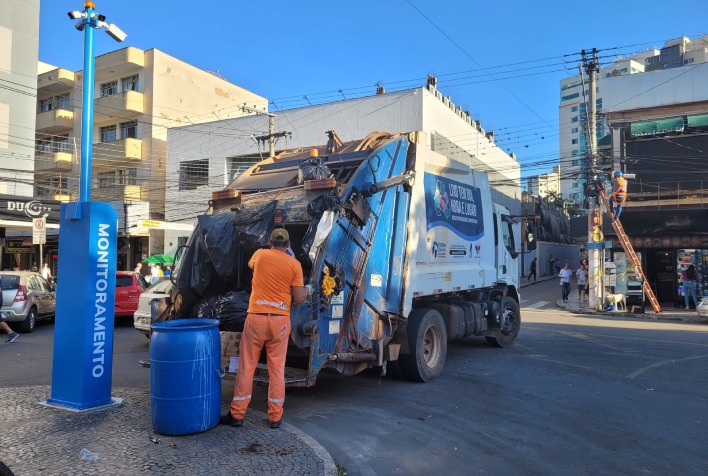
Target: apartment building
221, 150
19, 47
543, 184
138, 96
574, 93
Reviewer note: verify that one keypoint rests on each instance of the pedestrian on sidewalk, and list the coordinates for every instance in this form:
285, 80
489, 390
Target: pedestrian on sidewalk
532, 271
689, 285
551, 264
558, 265
277, 281
3, 325
565, 276
582, 277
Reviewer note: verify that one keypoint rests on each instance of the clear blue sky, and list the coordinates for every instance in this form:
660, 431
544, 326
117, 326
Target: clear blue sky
502, 60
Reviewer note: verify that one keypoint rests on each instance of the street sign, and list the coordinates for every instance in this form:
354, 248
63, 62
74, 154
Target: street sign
39, 231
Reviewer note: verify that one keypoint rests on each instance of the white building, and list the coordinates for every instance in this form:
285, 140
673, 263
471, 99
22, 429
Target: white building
19, 47
206, 157
574, 146
543, 184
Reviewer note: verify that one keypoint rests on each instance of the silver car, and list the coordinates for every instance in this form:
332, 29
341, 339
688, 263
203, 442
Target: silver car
142, 319
26, 297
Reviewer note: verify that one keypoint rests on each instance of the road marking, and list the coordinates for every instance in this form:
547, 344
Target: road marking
537, 305
656, 365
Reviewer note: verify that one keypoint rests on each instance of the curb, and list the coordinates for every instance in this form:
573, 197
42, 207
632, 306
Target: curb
654, 316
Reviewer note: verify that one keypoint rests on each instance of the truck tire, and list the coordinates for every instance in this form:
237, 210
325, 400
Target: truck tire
427, 340
510, 324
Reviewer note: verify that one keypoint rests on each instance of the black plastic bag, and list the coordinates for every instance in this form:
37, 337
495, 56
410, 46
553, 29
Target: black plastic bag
329, 201
220, 242
202, 268
313, 169
254, 229
231, 310
206, 308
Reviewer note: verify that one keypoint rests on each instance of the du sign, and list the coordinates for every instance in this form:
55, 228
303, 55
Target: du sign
39, 231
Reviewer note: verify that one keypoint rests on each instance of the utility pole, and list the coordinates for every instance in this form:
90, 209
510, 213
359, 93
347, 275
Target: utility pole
272, 135
595, 237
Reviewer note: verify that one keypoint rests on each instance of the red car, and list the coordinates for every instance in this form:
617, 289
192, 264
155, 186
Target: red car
129, 287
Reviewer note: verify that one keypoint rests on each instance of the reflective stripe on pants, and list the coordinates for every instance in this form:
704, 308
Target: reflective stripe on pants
272, 332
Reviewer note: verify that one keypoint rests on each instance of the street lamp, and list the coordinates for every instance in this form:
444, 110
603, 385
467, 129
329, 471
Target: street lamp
82, 365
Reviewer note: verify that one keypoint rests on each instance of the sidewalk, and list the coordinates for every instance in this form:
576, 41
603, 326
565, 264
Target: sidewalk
576, 307
38, 440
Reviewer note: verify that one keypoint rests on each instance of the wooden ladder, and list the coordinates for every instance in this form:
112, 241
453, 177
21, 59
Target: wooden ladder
627, 246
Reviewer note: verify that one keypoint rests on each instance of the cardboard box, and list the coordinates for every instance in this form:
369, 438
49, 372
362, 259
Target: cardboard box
229, 347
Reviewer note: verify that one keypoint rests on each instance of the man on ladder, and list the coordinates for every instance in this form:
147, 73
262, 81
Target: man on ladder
619, 193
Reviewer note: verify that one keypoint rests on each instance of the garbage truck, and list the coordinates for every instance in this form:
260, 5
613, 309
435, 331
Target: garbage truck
402, 246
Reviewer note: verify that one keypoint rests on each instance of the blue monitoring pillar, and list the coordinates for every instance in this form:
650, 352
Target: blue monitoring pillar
82, 367
83, 332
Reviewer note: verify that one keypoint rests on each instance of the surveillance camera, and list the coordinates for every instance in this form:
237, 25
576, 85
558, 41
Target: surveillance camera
75, 15
116, 33
80, 25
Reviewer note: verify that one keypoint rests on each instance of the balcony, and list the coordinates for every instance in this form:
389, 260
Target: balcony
123, 105
54, 121
117, 193
54, 162
119, 63
56, 81
118, 150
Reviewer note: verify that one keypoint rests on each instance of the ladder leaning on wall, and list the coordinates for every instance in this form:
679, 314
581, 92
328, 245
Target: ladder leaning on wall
627, 246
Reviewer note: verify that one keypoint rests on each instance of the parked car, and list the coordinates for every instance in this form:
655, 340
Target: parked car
142, 319
129, 286
26, 297
702, 307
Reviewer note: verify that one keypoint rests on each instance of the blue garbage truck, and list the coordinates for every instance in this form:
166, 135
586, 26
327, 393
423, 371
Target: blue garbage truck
402, 246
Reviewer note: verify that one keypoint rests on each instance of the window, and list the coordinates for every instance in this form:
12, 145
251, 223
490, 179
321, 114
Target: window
574, 152
507, 236
118, 177
687, 61
575, 184
46, 105
44, 146
193, 174
61, 143
569, 97
108, 89
62, 102
129, 129
574, 109
48, 187
130, 83
574, 163
574, 130
108, 133
574, 141
574, 119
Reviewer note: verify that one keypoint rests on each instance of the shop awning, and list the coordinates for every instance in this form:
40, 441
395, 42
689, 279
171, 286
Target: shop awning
661, 126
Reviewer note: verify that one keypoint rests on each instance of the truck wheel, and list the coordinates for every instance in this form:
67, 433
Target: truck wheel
28, 324
510, 324
427, 340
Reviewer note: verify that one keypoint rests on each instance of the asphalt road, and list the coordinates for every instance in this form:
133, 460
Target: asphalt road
575, 395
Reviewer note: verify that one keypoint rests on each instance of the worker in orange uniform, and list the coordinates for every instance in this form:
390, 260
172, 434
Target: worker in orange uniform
619, 193
277, 281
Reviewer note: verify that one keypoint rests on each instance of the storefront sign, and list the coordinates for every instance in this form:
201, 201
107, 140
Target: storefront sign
20, 208
17, 246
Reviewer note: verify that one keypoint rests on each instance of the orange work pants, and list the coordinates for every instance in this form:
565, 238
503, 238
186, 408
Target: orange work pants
273, 332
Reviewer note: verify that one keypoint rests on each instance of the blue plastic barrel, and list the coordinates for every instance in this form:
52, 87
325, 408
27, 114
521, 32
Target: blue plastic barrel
185, 380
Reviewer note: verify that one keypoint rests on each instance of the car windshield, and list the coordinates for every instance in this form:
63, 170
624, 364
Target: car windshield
10, 281
161, 287
124, 281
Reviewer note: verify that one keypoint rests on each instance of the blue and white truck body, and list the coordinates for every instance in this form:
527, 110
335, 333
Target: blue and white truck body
404, 249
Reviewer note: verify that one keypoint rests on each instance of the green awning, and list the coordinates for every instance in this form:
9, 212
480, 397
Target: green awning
662, 126
698, 121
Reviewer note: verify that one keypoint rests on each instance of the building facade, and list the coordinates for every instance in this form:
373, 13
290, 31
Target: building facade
138, 96
19, 47
219, 157
544, 184
574, 93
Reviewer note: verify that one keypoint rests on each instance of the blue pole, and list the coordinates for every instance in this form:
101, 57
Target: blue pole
87, 114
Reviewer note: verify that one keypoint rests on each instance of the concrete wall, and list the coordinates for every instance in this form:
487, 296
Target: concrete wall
19, 46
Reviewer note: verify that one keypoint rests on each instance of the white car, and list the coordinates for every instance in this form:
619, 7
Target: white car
702, 307
142, 319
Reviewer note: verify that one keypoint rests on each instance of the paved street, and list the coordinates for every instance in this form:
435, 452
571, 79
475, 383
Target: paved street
577, 394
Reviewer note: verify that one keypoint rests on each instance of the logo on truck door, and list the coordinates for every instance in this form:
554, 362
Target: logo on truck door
453, 205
